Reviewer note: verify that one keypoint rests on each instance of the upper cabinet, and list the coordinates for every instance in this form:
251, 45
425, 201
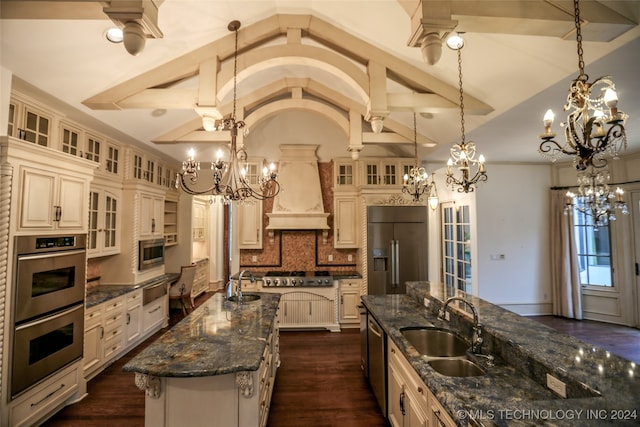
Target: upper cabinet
345, 221
250, 225
199, 219
344, 174
52, 188
170, 222
104, 220
384, 173
151, 215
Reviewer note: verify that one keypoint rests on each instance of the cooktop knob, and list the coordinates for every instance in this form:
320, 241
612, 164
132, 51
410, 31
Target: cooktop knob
284, 282
267, 282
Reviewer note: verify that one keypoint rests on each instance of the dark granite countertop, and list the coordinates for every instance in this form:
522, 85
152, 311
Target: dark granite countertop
103, 293
513, 392
219, 337
339, 275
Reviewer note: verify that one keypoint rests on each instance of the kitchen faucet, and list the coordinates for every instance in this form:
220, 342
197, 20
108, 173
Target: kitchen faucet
238, 290
476, 339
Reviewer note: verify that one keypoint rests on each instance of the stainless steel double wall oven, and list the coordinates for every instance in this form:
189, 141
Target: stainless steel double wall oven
48, 309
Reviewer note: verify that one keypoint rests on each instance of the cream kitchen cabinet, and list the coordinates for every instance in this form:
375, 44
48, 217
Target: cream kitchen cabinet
51, 200
345, 223
104, 221
104, 334
349, 291
170, 222
410, 402
344, 174
151, 215
133, 317
201, 278
390, 172
250, 225
309, 308
199, 220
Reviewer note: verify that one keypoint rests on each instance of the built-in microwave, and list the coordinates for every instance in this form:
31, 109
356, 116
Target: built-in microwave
150, 253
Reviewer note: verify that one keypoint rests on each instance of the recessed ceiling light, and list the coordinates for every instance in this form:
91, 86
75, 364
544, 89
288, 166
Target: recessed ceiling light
114, 35
455, 41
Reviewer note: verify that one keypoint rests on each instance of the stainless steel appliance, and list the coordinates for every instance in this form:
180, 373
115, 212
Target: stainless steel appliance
153, 292
297, 278
377, 349
50, 274
397, 247
364, 346
45, 345
150, 253
48, 315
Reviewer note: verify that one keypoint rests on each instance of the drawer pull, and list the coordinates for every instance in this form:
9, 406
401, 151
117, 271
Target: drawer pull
48, 395
420, 390
155, 309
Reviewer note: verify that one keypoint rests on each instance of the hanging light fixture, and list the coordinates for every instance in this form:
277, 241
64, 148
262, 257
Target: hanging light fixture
590, 134
595, 199
463, 155
415, 182
229, 178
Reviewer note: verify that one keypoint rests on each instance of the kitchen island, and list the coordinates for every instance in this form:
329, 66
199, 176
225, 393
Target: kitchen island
600, 387
215, 368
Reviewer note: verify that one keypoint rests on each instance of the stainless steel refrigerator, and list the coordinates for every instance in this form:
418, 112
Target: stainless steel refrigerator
397, 247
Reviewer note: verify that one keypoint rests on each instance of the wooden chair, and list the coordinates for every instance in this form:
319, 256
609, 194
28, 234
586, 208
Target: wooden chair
181, 288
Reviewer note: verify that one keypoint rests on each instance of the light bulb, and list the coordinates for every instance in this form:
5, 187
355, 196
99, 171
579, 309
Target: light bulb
548, 118
610, 98
191, 153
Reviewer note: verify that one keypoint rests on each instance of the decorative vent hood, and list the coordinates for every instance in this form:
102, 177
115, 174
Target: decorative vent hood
298, 205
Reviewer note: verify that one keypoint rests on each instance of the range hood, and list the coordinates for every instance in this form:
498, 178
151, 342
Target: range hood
298, 205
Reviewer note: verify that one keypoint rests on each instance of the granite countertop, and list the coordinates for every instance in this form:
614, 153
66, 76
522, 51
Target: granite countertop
601, 387
217, 338
103, 293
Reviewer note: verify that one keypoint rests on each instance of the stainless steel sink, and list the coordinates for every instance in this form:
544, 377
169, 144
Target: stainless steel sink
456, 367
245, 298
435, 342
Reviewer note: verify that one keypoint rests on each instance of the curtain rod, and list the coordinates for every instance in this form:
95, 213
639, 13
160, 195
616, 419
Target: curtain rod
611, 183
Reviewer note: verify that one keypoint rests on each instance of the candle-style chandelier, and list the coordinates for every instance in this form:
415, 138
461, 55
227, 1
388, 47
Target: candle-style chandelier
463, 155
415, 182
229, 178
590, 134
595, 199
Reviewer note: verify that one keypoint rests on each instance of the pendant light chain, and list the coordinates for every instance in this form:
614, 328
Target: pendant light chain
235, 73
461, 94
576, 15
415, 139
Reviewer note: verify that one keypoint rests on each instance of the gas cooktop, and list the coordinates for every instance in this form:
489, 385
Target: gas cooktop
297, 278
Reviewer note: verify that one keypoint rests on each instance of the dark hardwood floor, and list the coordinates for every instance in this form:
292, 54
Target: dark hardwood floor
319, 382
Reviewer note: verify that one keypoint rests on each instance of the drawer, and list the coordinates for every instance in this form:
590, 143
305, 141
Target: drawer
112, 347
154, 313
113, 320
27, 409
349, 285
116, 304
134, 298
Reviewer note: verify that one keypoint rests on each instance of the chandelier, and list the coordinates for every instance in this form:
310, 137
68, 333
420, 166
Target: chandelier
590, 134
229, 179
595, 199
415, 182
463, 155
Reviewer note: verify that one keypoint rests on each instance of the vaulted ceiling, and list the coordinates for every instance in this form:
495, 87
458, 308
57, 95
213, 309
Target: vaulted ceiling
347, 61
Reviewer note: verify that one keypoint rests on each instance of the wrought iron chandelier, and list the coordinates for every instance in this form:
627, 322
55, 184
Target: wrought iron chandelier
415, 182
595, 199
590, 134
229, 178
463, 155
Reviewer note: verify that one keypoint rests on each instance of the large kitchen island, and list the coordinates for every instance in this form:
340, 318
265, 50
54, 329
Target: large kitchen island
215, 368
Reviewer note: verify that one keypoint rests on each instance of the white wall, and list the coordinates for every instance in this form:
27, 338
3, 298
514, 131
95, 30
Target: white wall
513, 220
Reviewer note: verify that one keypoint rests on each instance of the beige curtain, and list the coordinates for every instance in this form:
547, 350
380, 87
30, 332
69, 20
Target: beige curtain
565, 273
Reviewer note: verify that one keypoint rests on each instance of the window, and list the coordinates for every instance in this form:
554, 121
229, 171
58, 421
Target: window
593, 246
137, 166
93, 150
36, 128
70, 141
456, 247
112, 160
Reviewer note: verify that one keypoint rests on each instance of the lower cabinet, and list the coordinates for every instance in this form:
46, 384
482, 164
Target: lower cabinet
116, 326
349, 300
201, 278
410, 403
32, 407
309, 309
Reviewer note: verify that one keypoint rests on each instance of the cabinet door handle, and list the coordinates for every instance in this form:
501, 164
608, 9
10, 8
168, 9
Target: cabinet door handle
153, 225
58, 213
402, 403
309, 308
128, 318
341, 299
101, 332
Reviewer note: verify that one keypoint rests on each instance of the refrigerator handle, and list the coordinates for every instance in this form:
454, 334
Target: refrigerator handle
392, 250
396, 264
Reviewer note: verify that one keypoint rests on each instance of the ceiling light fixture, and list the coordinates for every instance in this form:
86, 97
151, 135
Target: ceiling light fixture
595, 199
415, 182
114, 35
590, 134
463, 155
229, 178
